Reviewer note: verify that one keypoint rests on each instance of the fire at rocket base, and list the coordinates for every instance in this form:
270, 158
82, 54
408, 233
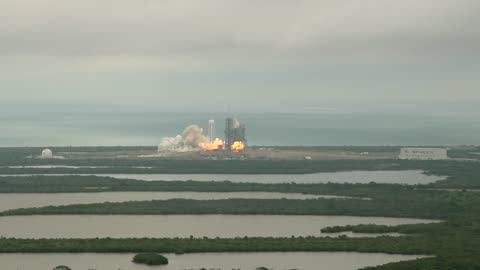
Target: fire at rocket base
237, 146
235, 135
193, 139
212, 145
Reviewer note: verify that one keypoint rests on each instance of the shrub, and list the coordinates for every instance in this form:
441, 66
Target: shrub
150, 259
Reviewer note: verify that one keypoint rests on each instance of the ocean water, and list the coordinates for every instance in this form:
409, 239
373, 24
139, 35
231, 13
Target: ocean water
141, 127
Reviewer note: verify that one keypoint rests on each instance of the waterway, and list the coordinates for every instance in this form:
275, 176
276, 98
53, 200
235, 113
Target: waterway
158, 226
224, 261
410, 177
10, 201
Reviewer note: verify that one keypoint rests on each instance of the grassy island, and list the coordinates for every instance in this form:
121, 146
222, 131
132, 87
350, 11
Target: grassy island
150, 259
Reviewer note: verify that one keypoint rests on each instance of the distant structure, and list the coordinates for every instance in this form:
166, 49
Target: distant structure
62, 267
235, 134
47, 153
423, 153
211, 130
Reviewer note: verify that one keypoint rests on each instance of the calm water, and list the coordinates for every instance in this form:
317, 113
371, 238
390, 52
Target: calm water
157, 226
139, 127
44, 167
25, 200
224, 261
67, 167
403, 177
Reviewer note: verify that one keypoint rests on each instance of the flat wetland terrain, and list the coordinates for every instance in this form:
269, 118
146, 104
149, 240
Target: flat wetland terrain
421, 207
225, 260
184, 226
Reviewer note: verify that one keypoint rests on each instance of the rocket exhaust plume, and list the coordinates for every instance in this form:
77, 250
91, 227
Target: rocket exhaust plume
191, 139
214, 145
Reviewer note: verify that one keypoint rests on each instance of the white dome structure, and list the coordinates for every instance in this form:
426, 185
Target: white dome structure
47, 153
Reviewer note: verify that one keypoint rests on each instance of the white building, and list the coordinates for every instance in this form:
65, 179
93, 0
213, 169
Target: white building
423, 153
47, 153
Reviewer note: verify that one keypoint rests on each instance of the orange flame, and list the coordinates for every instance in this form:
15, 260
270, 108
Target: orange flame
237, 146
210, 146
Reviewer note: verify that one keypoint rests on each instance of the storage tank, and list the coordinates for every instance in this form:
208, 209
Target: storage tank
47, 153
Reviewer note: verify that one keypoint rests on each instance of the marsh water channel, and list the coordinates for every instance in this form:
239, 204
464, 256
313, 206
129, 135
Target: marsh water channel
10, 201
409, 177
224, 226
161, 226
224, 261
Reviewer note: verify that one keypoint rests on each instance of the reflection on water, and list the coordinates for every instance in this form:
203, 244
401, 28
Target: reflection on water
403, 177
68, 167
225, 261
158, 226
26, 200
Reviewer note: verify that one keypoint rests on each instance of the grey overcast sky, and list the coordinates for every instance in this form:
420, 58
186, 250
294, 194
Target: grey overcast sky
245, 54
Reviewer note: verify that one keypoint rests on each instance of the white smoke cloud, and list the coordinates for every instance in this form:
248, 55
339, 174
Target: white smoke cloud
191, 139
236, 123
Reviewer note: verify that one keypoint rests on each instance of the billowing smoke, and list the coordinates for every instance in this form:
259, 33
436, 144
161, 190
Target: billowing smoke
236, 123
191, 139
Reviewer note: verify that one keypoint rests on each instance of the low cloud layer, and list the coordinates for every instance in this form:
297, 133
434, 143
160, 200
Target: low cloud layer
349, 49
208, 28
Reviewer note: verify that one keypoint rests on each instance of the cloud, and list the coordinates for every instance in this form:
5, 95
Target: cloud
231, 28
356, 49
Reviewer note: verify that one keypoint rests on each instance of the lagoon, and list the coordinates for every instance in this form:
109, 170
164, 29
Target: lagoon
169, 226
224, 261
410, 177
9, 201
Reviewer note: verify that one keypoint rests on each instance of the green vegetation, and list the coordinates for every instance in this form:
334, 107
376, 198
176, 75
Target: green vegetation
132, 166
356, 149
456, 242
461, 174
150, 259
142, 165
62, 184
419, 204
467, 153
62, 267
386, 200
400, 245
453, 243
365, 228
427, 264
450, 244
